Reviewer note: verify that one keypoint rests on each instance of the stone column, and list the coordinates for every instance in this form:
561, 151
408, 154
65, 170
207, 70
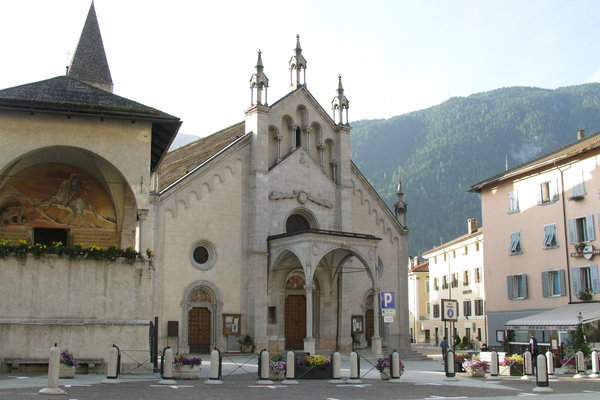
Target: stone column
376, 345
309, 341
142, 215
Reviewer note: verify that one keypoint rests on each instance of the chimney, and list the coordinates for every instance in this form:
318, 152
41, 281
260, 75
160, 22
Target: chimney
471, 225
580, 134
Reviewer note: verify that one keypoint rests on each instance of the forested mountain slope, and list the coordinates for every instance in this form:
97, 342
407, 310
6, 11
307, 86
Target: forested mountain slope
441, 151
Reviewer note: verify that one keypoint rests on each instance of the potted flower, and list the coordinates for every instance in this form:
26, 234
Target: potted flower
476, 367
277, 367
313, 367
383, 366
459, 359
246, 344
585, 295
68, 364
569, 364
186, 368
515, 364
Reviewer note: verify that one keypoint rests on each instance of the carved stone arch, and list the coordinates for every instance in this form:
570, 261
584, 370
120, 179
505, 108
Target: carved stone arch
171, 211
194, 195
302, 114
202, 293
304, 213
229, 170
217, 178
204, 189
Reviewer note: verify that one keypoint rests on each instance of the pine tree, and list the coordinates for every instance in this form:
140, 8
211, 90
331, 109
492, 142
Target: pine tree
579, 340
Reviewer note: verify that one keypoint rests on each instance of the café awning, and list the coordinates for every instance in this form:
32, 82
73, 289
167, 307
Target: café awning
564, 318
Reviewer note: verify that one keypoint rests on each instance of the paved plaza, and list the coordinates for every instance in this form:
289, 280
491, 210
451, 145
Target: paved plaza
422, 380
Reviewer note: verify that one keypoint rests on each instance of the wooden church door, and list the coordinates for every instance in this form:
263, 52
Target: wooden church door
295, 321
199, 330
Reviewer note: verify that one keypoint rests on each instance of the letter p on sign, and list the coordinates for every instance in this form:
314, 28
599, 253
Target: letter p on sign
388, 299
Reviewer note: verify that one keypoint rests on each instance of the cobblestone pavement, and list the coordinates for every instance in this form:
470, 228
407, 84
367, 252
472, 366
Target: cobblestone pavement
422, 380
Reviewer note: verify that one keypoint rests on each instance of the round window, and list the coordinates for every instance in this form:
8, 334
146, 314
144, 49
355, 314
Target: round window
203, 254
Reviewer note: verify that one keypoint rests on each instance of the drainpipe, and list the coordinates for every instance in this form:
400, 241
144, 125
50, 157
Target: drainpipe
564, 214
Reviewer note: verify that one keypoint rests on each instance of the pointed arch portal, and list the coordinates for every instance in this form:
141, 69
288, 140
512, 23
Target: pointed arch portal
331, 251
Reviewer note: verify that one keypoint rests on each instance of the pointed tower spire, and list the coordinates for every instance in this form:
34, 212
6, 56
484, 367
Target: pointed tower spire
89, 63
258, 81
297, 62
340, 103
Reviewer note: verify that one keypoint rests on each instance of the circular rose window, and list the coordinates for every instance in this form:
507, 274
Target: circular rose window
203, 255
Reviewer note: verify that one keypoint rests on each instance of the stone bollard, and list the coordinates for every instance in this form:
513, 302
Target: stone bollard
290, 369
541, 374
527, 365
112, 369
580, 366
167, 367
395, 367
595, 366
336, 364
450, 374
53, 368
550, 362
354, 369
263, 368
216, 365
494, 366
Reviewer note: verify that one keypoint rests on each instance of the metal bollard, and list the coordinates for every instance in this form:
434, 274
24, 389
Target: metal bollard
354, 369
595, 366
494, 365
450, 364
290, 369
53, 367
395, 367
550, 362
113, 367
216, 362
336, 363
527, 365
541, 374
580, 366
263, 368
166, 367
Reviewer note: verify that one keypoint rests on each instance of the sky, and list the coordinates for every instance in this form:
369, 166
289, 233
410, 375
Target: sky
194, 59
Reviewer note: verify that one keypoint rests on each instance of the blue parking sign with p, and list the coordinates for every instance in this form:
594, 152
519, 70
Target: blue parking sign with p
388, 299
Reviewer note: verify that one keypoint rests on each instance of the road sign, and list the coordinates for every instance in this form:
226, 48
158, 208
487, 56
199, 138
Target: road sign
388, 318
449, 310
388, 299
388, 311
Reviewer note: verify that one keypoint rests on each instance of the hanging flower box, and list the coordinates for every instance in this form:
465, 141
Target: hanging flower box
313, 367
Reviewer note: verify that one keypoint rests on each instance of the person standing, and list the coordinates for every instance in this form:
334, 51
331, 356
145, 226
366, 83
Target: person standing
444, 346
533, 347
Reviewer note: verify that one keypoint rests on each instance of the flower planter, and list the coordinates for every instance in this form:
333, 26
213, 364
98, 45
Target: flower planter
246, 348
276, 377
315, 373
516, 370
385, 374
476, 372
568, 369
186, 372
66, 371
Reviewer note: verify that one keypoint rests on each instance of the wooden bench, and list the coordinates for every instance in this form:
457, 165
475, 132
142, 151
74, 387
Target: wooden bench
86, 365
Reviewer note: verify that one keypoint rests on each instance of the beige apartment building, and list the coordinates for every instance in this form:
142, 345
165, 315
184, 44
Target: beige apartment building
419, 308
456, 272
541, 242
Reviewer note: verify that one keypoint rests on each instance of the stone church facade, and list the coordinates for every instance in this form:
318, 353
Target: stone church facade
265, 228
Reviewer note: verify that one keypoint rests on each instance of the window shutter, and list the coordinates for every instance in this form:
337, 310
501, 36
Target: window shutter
511, 199
524, 287
561, 282
572, 235
509, 281
594, 274
579, 189
545, 291
589, 222
575, 280
554, 188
